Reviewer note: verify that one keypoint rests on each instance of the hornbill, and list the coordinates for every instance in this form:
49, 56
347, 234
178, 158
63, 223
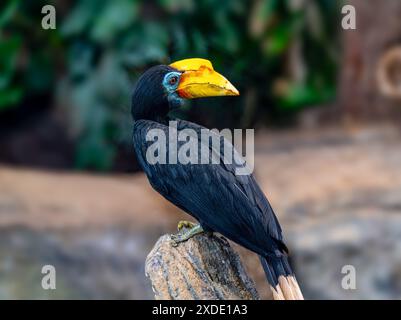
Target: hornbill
221, 201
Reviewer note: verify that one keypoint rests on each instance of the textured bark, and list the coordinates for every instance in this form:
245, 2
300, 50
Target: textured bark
204, 267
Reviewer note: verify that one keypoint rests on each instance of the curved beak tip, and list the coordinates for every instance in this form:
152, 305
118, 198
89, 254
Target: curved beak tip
233, 90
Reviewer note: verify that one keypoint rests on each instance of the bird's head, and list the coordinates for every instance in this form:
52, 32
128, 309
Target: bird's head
163, 88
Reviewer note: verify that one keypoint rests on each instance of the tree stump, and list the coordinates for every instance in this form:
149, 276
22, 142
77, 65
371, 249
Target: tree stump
203, 267
389, 73
367, 87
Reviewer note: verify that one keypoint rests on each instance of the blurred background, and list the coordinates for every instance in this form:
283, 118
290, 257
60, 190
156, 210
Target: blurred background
325, 103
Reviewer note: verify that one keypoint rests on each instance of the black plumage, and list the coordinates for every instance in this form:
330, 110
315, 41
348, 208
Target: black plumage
233, 205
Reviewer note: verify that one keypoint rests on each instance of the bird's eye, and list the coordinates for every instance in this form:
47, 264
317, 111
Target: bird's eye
173, 80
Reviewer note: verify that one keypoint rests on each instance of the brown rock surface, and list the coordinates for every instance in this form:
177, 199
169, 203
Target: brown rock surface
204, 267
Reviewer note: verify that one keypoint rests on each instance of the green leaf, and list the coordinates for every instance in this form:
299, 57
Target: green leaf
80, 18
179, 41
8, 12
178, 5
200, 43
39, 74
147, 44
9, 50
114, 17
299, 95
10, 97
278, 40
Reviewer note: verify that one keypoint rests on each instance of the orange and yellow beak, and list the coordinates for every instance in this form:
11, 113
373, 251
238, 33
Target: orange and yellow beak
199, 80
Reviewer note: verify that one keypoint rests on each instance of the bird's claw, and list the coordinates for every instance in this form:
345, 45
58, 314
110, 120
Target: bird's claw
181, 237
175, 240
185, 224
224, 239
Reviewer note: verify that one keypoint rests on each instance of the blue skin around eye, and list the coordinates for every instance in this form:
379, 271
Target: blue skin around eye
172, 96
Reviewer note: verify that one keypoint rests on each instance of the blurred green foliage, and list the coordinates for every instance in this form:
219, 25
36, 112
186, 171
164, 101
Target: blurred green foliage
280, 54
10, 92
27, 53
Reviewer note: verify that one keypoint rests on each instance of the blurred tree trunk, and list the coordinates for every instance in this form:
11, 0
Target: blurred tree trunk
378, 31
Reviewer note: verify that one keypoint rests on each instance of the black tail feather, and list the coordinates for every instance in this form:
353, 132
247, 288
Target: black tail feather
281, 277
275, 267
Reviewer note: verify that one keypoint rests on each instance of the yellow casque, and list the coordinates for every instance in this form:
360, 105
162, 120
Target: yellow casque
199, 80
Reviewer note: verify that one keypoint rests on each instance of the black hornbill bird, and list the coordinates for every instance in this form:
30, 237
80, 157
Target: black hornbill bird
221, 201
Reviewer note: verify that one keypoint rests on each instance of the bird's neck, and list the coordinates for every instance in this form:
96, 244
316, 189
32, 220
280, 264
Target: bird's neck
154, 112
162, 119
156, 118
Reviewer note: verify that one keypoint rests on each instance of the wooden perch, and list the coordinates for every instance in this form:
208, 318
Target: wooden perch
203, 267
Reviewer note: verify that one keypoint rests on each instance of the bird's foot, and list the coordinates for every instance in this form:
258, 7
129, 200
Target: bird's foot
224, 239
181, 237
185, 224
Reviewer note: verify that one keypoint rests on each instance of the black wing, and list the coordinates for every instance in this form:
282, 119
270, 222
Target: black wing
230, 204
